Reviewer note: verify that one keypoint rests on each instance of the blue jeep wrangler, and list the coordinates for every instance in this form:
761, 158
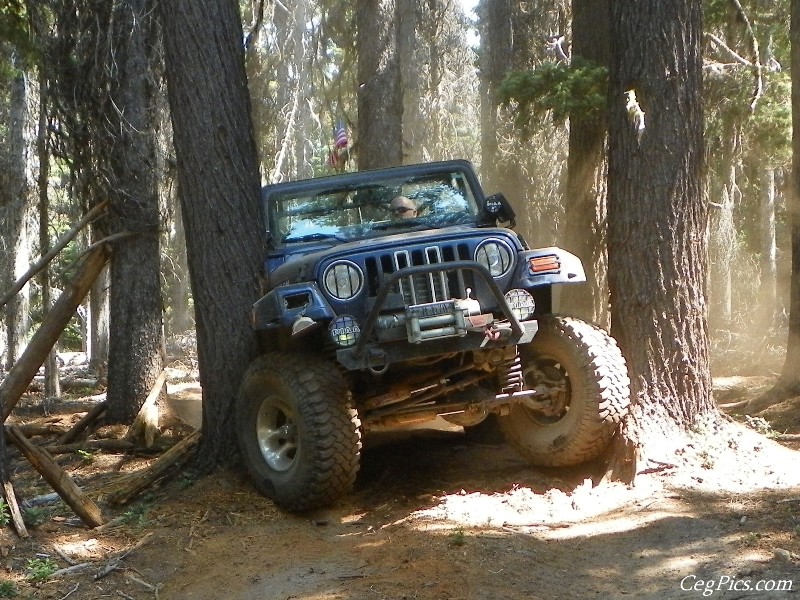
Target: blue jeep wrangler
394, 297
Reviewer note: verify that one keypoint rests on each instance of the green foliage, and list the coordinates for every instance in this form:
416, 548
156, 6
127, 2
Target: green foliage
188, 479
14, 30
769, 20
87, 457
8, 589
136, 516
751, 539
39, 569
575, 91
4, 513
771, 124
457, 538
35, 516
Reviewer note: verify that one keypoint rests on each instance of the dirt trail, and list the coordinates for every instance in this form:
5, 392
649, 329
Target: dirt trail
436, 518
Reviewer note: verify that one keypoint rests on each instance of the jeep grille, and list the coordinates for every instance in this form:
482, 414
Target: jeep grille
430, 287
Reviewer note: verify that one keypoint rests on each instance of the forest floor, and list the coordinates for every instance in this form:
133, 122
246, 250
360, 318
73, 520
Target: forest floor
433, 517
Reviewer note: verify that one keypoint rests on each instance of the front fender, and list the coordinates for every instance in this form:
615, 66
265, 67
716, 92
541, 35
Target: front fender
281, 306
548, 266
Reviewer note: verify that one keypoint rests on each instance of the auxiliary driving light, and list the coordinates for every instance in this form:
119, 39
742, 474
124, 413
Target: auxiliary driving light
521, 303
344, 331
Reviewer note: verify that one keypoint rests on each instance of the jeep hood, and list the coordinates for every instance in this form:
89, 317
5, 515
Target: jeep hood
300, 265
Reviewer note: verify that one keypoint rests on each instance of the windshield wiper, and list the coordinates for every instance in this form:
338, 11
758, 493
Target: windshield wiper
314, 237
402, 224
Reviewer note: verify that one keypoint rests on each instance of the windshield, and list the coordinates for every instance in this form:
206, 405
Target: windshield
357, 211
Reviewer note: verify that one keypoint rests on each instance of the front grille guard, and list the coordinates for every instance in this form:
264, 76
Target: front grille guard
392, 278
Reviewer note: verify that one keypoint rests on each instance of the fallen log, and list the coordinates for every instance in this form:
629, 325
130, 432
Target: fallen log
8, 489
23, 371
133, 484
34, 429
89, 418
110, 444
57, 478
74, 385
13, 508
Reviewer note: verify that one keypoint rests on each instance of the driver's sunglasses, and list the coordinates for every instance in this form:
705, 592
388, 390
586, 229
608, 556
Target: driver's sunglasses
401, 210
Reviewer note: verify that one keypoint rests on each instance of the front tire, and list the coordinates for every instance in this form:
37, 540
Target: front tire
299, 436
584, 372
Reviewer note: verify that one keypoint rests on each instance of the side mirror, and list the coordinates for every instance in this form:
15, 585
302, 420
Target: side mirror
499, 209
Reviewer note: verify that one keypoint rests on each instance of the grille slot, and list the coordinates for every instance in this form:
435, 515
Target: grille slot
429, 287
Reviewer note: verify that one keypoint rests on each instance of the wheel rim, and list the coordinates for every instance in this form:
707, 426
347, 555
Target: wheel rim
276, 431
551, 374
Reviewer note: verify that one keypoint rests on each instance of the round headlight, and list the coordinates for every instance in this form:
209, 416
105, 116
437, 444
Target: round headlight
496, 256
343, 280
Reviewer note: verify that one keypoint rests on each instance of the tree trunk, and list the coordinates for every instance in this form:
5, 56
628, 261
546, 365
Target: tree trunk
769, 251
495, 61
98, 334
52, 386
380, 94
136, 342
408, 58
178, 287
657, 212
790, 376
218, 185
723, 250
14, 205
303, 149
173, 241
586, 201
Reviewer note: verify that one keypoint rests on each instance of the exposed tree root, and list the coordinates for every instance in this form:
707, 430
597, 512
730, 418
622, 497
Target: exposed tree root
623, 457
783, 389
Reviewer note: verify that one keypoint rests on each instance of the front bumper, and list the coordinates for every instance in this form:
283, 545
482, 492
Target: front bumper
433, 329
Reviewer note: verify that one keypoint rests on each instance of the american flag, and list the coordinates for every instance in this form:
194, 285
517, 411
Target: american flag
340, 136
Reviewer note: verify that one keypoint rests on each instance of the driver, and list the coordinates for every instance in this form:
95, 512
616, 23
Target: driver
402, 207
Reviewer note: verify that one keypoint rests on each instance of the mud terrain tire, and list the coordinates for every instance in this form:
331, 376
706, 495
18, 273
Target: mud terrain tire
592, 370
299, 435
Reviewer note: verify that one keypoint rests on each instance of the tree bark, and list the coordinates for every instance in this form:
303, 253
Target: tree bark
380, 94
657, 212
14, 205
496, 59
769, 251
52, 387
303, 149
136, 342
722, 251
218, 185
97, 336
586, 199
178, 281
409, 63
790, 376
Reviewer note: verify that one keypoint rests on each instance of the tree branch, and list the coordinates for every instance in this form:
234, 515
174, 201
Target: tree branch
59, 246
758, 67
718, 41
